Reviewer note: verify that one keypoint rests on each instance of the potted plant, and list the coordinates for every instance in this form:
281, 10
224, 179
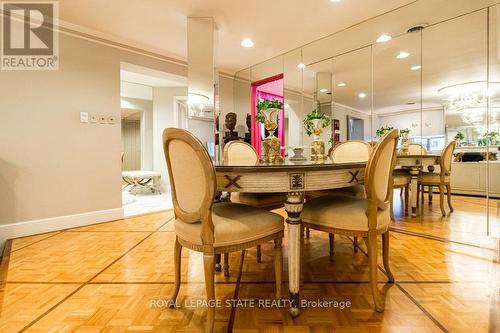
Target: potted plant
458, 138
382, 130
267, 114
405, 140
492, 137
314, 123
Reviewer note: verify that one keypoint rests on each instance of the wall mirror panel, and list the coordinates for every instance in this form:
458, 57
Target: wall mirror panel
438, 79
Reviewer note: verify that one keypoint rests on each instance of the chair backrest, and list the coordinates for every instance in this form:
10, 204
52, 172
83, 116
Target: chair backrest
416, 149
192, 179
240, 153
378, 173
446, 158
351, 151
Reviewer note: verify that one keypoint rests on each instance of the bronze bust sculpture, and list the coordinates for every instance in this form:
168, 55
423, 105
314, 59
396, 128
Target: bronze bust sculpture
230, 121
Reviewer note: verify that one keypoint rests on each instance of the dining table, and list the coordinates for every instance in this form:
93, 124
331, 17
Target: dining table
415, 164
294, 178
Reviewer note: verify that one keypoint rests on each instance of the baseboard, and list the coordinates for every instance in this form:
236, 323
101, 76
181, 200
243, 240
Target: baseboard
33, 227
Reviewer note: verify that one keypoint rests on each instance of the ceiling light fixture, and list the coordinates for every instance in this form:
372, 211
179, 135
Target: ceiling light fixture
247, 42
403, 54
362, 95
301, 65
383, 38
415, 68
335, 0
342, 84
324, 90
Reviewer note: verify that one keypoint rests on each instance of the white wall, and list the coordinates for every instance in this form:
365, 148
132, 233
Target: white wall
51, 165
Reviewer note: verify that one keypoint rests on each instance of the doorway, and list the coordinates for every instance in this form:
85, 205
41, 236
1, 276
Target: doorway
355, 128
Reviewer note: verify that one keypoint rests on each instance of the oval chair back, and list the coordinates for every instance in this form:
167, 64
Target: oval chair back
446, 158
378, 174
192, 179
240, 153
351, 151
416, 149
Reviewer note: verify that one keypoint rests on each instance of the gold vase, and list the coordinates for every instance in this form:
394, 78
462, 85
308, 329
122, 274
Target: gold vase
271, 145
318, 145
405, 143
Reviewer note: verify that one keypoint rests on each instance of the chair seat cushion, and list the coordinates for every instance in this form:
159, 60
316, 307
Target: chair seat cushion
357, 191
260, 200
233, 224
342, 213
433, 178
401, 180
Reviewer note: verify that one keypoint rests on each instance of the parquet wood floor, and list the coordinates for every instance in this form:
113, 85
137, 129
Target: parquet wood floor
107, 278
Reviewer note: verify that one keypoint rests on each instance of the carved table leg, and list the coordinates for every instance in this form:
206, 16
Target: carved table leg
293, 207
414, 171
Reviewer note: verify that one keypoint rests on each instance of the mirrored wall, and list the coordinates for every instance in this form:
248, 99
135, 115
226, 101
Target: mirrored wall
437, 79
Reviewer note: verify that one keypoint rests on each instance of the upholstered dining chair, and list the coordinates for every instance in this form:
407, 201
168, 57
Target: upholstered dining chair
416, 149
200, 225
440, 180
241, 153
362, 217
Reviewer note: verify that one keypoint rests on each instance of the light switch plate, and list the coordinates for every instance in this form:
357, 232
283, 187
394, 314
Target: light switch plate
111, 120
84, 117
94, 118
102, 119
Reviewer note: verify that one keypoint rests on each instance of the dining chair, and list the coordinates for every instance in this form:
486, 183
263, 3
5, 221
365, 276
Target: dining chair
442, 179
416, 149
202, 226
362, 217
241, 153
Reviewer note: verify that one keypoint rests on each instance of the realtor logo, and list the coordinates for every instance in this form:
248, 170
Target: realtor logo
28, 37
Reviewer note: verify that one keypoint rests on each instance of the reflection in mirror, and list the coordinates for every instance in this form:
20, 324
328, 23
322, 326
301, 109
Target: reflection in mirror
352, 100
493, 120
202, 79
294, 112
454, 76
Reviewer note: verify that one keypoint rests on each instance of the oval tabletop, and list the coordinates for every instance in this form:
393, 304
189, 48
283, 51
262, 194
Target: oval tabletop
288, 176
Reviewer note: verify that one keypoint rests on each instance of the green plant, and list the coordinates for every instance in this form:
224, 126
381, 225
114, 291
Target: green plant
459, 137
381, 131
265, 104
315, 114
404, 130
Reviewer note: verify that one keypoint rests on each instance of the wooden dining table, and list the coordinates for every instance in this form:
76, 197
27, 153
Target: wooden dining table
415, 164
293, 178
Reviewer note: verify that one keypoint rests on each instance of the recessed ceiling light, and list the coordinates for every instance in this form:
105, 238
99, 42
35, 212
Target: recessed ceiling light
301, 65
335, 0
415, 68
323, 90
247, 42
403, 54
362, 95
383, 38
342, 84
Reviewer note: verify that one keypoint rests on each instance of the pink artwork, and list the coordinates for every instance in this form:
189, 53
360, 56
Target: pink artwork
269, 88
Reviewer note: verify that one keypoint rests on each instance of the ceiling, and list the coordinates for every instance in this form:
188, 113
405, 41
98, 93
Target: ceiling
275, 26
141, 75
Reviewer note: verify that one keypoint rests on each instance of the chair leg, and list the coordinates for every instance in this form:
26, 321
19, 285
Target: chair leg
372, 257
331, 238
355, 244
430, 194
177, 272
385, 256
407, 198
259, 254
208, 263
401, 192
226, 264
278, 266
308, 232
448, 193
301, 264
441, 199
218, 266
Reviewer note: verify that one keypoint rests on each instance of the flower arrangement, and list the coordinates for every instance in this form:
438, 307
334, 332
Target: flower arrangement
309, 121
459, 137
404, 131
382, 130
265, 104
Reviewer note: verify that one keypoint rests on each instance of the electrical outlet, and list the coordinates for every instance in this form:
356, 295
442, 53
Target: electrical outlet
94, 118
84, 117
102, 119
111, 120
